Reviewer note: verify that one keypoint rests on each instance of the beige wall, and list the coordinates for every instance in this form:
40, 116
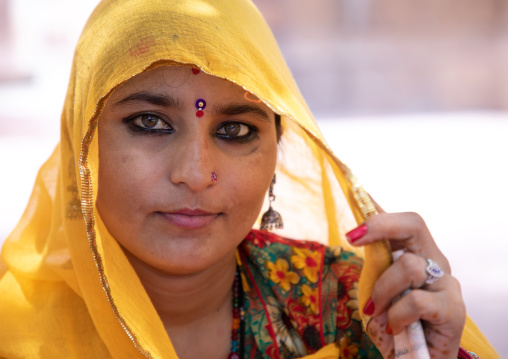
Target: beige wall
395, 56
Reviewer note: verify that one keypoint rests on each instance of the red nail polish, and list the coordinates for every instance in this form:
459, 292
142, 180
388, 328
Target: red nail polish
357, 233
388, 329
369, 307
463, 354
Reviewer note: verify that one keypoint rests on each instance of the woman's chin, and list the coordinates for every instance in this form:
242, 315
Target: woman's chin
184, 256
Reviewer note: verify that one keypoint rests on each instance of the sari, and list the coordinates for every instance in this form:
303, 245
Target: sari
67, 289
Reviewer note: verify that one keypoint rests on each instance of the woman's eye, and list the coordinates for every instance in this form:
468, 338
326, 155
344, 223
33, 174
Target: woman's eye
234, 130
149, 122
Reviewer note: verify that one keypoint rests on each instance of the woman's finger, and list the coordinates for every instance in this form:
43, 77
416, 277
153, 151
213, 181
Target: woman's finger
377, 333
404, 231
408, 272
443, 308
394, 226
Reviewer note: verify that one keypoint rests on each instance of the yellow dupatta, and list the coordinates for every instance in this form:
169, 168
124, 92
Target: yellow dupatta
67, 289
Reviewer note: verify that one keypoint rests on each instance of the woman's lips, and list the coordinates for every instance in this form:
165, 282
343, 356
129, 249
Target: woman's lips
189, 218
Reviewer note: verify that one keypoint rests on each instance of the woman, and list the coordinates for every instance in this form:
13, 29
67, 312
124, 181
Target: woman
138, 240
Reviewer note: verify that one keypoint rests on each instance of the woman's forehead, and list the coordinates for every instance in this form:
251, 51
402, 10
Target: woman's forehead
178, 79
181, 86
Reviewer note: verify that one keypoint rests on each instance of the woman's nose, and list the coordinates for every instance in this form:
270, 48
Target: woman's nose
192, 164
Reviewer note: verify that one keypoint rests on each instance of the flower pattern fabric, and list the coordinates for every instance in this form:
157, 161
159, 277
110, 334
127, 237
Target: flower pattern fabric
280, 274
348, 350
298, 297
310, 298
308, 261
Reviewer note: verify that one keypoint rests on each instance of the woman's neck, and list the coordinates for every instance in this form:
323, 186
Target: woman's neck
182, 299
194, 306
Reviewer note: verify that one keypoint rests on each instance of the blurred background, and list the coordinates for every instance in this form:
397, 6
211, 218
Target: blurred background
413, 96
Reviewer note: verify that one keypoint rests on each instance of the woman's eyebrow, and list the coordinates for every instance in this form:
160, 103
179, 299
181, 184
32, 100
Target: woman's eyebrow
238, 109
168, 101
151, 98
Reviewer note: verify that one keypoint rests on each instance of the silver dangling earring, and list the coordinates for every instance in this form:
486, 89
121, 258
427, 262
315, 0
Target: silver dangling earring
271, 219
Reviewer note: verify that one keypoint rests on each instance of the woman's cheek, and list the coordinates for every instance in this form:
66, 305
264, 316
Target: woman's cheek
251, 187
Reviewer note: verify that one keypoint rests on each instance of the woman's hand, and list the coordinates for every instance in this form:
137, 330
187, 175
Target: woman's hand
439, 305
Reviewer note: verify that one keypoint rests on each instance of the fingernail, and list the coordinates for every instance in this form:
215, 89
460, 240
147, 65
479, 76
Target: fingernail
369, 307
388, 329
357, 233
464, 354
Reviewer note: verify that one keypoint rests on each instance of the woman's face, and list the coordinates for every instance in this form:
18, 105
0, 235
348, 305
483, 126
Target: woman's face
156, 158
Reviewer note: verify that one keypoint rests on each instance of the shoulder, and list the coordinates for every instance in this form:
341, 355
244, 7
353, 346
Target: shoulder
312, 261
272, 244
312, 285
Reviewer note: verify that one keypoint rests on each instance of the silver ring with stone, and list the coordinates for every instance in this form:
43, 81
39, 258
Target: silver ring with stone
433, 272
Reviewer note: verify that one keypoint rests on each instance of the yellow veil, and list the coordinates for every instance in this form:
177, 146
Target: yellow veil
67, 289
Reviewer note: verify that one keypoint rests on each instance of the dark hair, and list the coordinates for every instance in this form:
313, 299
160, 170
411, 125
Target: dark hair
278, 126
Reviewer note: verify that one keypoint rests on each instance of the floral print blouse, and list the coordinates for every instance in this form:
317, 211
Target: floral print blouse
298, 297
